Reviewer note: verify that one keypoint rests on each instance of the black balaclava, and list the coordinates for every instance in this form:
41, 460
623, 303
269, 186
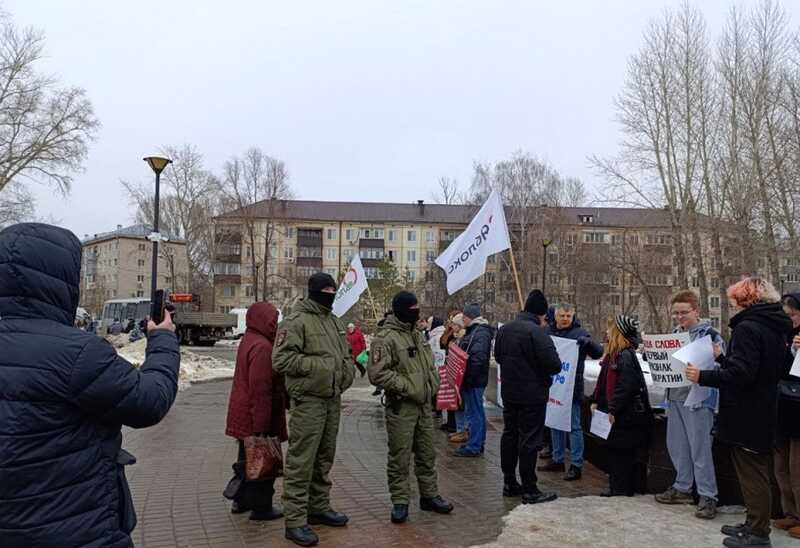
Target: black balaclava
316, 284
536, 303
401, 306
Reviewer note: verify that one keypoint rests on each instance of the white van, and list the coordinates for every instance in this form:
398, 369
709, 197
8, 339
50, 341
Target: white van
241, 326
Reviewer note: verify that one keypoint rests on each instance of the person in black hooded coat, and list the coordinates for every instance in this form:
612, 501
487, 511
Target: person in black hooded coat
64, 396
748, 399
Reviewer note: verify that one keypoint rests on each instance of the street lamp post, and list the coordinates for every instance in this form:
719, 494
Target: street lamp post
157, 164
545, 242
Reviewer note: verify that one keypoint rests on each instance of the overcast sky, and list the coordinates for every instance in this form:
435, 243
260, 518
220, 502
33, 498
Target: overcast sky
364, 100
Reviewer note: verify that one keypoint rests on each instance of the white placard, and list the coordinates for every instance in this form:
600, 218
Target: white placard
699, 353
559, 405
601, 426
795, 371
666, 371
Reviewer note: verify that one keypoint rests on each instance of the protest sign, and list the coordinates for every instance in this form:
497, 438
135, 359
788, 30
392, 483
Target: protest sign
795, 371
450, 378
559, 405
600, 426
699, 353
499, 377
666, 371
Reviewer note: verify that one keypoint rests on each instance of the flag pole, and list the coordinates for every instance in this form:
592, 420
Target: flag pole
516, 277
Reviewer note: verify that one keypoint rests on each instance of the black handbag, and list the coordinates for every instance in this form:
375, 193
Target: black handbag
789, 408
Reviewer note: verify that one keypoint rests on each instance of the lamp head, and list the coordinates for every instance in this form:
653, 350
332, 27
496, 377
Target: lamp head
157, 163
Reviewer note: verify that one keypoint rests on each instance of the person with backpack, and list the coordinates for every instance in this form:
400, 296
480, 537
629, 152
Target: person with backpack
621, 392
689, 438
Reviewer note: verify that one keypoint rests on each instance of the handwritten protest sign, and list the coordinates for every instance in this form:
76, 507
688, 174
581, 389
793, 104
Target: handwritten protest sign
559, 405
450, 378
666, 371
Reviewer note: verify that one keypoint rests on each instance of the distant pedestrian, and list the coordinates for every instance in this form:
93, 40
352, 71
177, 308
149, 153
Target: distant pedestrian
312, 352
621, 392
357, 345
787, 449
454, 333
257, 407
567, 326
748, 399
528, 361
402, 362
64, 397
477, 343
689, 438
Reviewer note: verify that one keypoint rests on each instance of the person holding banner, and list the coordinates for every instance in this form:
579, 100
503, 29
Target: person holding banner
748, 398
689, 438
528, 360
787, 449
621, 392
565, 324
402, 362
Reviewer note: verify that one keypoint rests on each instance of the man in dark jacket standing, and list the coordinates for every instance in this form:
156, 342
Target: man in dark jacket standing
567, 326
477, 343
528, 360
64, 396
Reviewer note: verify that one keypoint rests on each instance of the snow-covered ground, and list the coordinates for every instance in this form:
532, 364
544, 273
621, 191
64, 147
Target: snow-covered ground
194, 367
618, 522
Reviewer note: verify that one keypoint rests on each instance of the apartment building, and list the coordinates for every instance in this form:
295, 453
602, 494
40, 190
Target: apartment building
604, 260
118, 264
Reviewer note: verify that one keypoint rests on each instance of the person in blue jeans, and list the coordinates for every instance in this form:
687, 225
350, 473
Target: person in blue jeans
477, 343
566, 325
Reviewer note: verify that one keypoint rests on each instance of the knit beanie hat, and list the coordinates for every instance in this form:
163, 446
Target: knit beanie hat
629, 327
536, 303
472, 311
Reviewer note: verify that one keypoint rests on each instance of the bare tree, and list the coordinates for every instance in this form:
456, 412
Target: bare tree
45, 129
449, 192
190, 200
247, 181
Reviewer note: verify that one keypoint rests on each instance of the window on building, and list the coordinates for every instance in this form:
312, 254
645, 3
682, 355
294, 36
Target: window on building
572, 239
659, 239
225, 309
332, 234
715, 322
449, 235
430, 256
615, 280
554, 279
429, 276
233, 269
248, 291
714, 302
229, 291
371, 272
491, 259
288, 253
392, 235
348, 234
332, 272
332, 253
617, 239
615, 300
715, 283
633, 239
140, 262
595, 237
142, 247
392, 255
411, 276
429, 236
411, 256
412, 235
290, 232
489, 277
371, 253
348, 254
586, 219
248, 251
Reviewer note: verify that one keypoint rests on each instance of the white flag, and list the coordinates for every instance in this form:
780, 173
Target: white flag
487, 234
353, 285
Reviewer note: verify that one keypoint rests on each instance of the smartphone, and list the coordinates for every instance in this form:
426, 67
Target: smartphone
158, 305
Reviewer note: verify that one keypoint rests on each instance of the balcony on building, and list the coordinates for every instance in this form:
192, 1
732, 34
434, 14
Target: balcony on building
371, 251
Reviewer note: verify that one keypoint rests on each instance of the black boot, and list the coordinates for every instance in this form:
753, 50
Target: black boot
302, 536
574, 474
239, 507
512, 489
436, 504
537, 497
378, 391
399, 513
329, 518
266, 515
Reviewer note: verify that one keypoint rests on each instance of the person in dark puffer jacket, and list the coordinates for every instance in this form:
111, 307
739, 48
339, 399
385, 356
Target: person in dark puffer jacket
64, 396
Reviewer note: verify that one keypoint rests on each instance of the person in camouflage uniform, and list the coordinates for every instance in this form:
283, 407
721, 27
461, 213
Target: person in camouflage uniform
312, 352
402, 362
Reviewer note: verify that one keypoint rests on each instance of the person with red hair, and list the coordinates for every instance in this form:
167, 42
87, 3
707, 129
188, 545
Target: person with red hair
748, 394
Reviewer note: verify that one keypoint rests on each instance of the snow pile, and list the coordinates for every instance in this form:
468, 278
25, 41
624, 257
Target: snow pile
194, 367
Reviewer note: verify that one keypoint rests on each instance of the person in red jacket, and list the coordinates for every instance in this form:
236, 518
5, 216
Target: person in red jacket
257, 407
357, 344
